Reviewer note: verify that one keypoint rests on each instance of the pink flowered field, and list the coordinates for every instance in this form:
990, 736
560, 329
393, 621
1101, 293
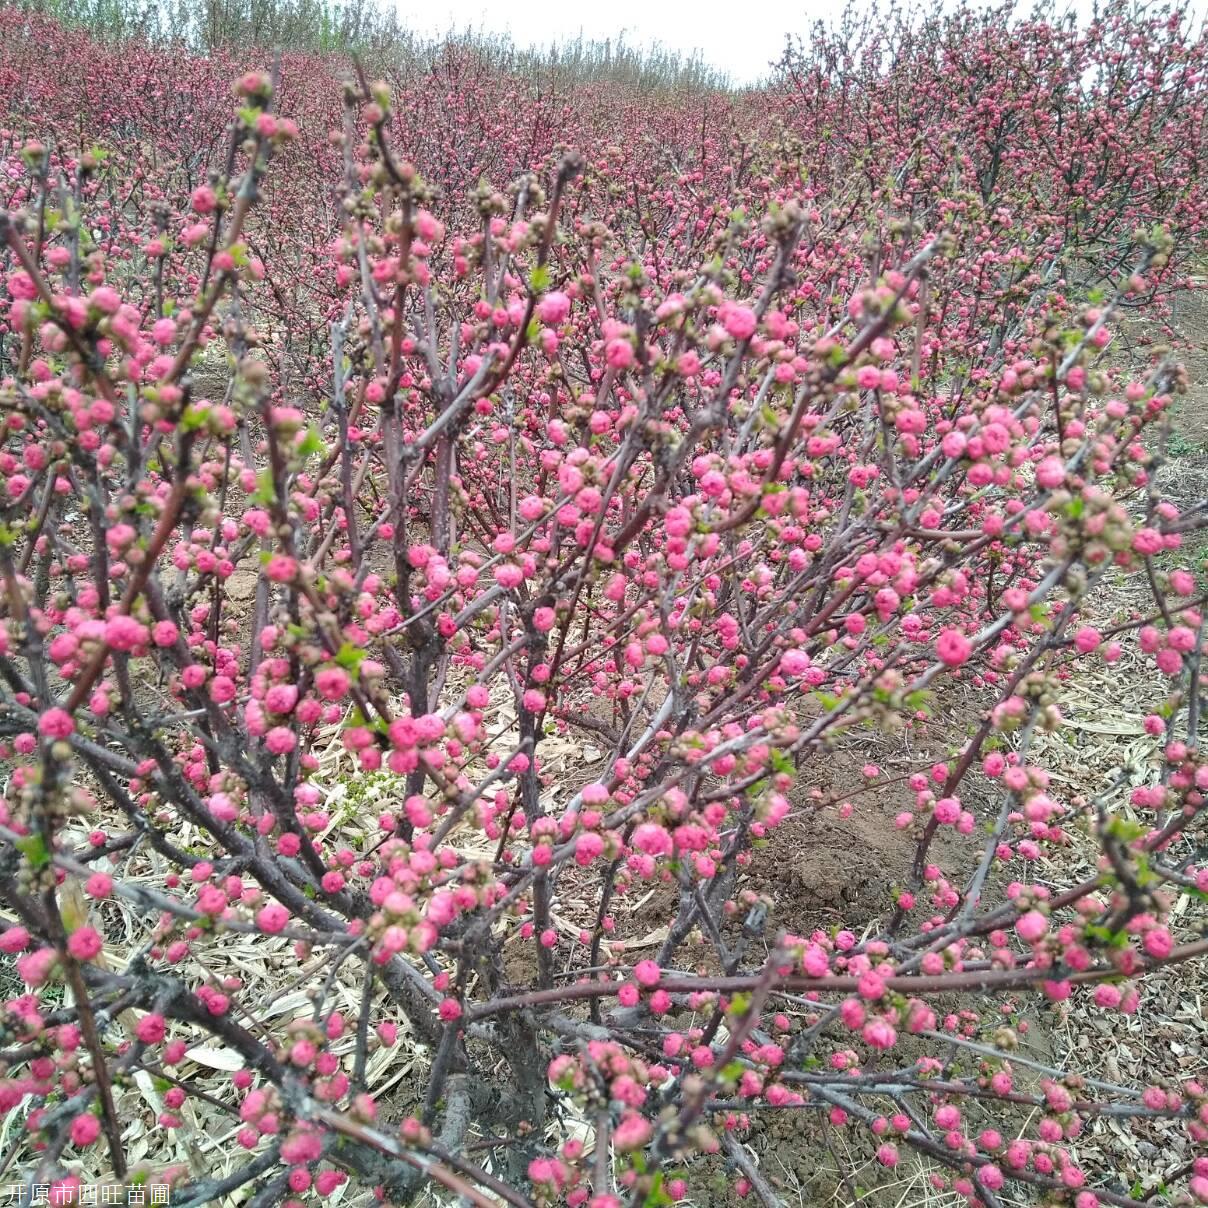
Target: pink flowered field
443, 502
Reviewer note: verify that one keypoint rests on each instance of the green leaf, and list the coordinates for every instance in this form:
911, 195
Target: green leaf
194, 417
781, 762
1113, 939
539, 279
656, 1197
312, 443
350, 657
34, 849
266, 492
740, 1004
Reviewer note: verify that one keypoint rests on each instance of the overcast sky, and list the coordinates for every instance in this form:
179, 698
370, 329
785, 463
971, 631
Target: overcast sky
738, 38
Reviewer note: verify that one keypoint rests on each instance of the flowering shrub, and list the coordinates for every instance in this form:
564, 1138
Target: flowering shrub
712, 447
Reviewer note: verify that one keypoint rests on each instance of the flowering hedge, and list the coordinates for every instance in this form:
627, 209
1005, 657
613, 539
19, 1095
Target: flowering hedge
745, 425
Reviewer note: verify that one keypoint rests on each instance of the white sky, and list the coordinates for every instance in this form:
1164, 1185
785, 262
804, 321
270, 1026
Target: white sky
738, 38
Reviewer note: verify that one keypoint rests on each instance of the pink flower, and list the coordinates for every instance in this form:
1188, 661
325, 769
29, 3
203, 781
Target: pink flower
332, 683
99, 885
280, 739
879, 1034
272, 918
21, 286
1050, 473
1087, 639
541, 1170
151, 1029
947, 810
429, 227
55, 724
450, 1009
553, 308
204, 199
871, 986
34, 967
222, 687
739, 321
85, 1129
632, 1132
281, 698
125, 633
953, 648
84, 943
989, 1176
281, 568
14, 940
1159, 943
651, 838
1147, 541
619, 353
105, 299
647, 973
1032, 926
794, 662
587, 847
301, 1147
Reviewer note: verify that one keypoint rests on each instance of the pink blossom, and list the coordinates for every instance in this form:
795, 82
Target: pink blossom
990, 1177
647, 973
553, 308
631, 1133
953, 648
125, 633
1158, 943
99, 885
739, 321
1032, 926
619, 354
85, 1129
280, 739
34, 968
84, 943
14, 939
272, 918
56, 723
